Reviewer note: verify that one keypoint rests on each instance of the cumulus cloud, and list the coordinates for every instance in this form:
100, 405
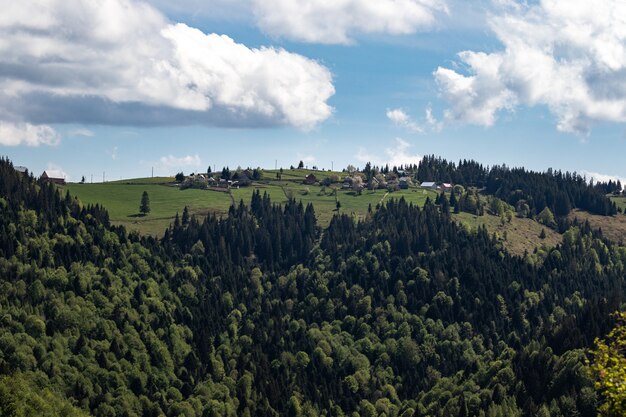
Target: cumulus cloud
14, 134
401, 119
123, 62
171, 161
398, 154
567, 56
337, 21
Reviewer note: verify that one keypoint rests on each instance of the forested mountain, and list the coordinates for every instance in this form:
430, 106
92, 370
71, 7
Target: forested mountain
560, 192
262, 313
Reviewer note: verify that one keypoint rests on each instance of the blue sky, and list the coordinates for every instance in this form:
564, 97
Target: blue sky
525, 93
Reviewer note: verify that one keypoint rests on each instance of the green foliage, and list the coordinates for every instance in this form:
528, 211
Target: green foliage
546, 218
21, 396
609, 369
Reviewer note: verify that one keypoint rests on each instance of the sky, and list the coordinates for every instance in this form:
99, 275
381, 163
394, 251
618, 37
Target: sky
123, 88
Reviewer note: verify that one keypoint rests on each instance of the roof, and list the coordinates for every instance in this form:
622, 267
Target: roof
447, 185
53, 174
427, 184
21, 169
404, 179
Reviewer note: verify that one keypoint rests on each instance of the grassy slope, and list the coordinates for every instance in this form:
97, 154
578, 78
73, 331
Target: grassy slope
613, 227
122, 198
122, 202
521, 234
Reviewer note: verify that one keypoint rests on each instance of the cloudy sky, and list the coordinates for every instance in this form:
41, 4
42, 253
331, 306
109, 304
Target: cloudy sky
125, 86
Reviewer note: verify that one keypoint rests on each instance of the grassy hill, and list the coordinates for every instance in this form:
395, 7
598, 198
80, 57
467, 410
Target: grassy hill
122, 201
121, 198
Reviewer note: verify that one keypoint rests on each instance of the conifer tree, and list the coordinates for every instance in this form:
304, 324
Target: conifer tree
144, 206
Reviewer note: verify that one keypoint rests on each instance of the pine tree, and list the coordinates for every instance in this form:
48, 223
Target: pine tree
185, 216
144, 206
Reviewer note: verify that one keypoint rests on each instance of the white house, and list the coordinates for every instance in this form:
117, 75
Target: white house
428, 184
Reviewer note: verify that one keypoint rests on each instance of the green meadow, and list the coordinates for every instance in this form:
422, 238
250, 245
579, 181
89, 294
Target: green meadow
122, 202
121, 198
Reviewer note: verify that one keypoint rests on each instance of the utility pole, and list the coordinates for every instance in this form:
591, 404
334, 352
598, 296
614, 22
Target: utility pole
332, 165
275, 163
152, 172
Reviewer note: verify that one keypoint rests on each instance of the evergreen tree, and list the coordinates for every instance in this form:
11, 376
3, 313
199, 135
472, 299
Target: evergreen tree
185, 218
144, 206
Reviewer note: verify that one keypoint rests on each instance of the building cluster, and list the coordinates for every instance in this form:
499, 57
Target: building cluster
390, 181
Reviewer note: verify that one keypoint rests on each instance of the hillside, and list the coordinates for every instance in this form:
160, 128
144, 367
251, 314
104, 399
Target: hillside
121, 198
613, 227
259, 313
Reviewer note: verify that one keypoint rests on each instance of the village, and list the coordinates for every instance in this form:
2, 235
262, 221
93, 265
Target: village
349, 179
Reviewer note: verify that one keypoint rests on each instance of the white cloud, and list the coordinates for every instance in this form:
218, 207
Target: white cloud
597, 177
397, 155
434, 124
568, 56
337, 21
14, 134
123, 62
171, 161
400, 155
400, 118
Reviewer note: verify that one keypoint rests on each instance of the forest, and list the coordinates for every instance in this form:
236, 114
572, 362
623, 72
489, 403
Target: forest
556, 190
263, 313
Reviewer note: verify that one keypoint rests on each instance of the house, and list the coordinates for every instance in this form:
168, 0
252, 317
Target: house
404, 183
21, 169
446, 186
212, 181
50, 178
244, 180
347, 183
428, 184
310, 179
